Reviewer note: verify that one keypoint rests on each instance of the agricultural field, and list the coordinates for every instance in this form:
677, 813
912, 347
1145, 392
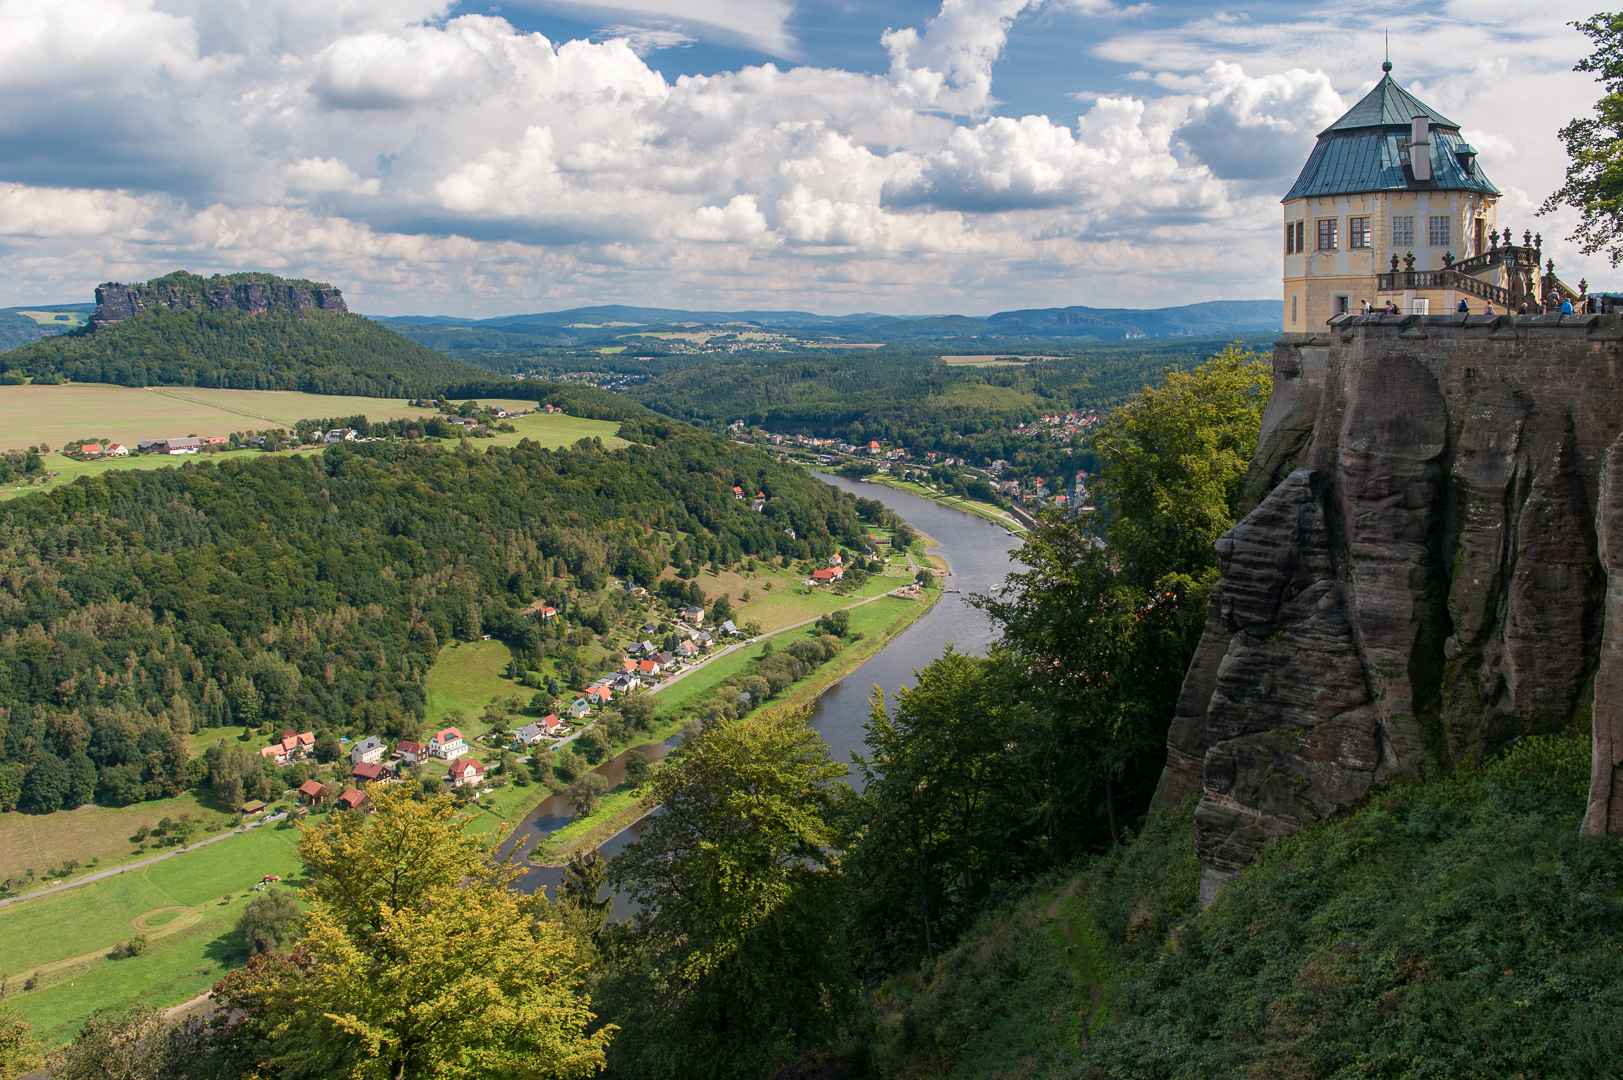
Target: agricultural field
112, 411
54, 414
64, 320
91, 834
180, 905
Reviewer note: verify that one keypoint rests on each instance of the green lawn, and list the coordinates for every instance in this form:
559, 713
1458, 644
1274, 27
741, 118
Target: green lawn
80, 924
43, 841
465, 677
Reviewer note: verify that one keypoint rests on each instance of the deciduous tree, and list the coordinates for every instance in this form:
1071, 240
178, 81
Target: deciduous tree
736, 961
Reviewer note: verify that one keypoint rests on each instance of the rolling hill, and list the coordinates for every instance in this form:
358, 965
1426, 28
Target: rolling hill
242, 331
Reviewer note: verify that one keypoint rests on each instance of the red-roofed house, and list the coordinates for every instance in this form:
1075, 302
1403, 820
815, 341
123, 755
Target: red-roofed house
599, 695
466, 771
354, 799
447, 744
738, 492
311, 792
551, 724
648, 667
834, 574
117, 450
370, 772
291, 748
411, 753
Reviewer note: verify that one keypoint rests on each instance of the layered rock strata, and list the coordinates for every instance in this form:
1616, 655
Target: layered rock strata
116, 302
1422, 574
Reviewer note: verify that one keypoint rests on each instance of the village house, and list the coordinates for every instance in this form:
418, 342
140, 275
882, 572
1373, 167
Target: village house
729, 627
693, 614
116, 450
447, 744
179, 446
738, 493
648, 668
354, 799
686, 650
599, 695
311, 793
369, 750
371, 772
291, 748
411, 753
828, 576
466, 771
530, 734
578, 708
337, 435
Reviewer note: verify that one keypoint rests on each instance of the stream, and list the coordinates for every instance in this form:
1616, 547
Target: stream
978, 555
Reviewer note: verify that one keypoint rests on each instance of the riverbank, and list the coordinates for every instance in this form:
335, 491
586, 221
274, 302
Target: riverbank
621, 808
983, 510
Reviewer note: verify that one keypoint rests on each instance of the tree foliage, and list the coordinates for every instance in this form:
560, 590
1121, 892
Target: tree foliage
1594, 181
736, 962
267, 919
418, 960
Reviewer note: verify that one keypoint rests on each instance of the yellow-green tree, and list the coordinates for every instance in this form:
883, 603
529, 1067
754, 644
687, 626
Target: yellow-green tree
419, 960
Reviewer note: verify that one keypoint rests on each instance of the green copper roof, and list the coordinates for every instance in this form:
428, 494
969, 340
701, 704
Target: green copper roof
1388, 105
1364, 150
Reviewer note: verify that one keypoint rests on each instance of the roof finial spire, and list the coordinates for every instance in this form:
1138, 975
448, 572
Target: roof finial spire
1386, 65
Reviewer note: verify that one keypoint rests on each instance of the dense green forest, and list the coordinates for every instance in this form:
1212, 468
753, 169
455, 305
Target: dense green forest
315, 592
314, 351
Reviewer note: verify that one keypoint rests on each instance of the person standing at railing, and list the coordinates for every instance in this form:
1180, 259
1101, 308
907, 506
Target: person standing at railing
1463, 308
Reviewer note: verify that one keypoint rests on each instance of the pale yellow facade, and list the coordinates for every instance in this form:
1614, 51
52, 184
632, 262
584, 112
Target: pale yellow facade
1350, 239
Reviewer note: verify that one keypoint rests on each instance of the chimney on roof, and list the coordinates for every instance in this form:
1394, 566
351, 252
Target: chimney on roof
1420, 148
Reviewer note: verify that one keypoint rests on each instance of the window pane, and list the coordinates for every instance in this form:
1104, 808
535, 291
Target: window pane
1327, 234
1301, 236
1358, 232
1437, 231
1403, 231
1293, 307
1290, 238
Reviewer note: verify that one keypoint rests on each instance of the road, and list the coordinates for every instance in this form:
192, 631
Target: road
88, 878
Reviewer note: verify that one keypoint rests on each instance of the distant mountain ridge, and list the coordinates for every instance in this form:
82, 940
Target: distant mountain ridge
238, 331
602, 324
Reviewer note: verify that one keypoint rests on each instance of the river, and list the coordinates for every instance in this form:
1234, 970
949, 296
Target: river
978, 556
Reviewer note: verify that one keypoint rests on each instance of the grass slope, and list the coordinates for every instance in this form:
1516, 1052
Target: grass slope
65, 937
1451, 927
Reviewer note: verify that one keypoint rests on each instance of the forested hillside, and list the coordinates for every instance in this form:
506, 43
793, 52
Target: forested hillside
196, 344
315, 592
914, 399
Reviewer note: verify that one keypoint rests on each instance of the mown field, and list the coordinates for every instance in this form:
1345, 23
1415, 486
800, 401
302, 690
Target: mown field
30, 415
16, 411
180, 904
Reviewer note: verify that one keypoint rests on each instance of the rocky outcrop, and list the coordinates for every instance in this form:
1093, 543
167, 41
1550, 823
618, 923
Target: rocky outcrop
253, 293
1424, 572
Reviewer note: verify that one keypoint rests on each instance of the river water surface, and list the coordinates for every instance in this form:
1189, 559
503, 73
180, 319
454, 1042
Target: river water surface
978, 556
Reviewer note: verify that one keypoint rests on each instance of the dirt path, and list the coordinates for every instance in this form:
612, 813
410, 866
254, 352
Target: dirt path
99, 875
1074, 948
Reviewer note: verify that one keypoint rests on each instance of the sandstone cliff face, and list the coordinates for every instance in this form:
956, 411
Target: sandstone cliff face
1423, 572
116, 302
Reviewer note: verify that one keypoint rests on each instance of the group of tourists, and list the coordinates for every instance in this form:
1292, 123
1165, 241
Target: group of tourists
1551, 304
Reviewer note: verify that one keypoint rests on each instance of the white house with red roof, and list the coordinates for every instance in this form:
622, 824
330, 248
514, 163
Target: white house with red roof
447, 745
466, 771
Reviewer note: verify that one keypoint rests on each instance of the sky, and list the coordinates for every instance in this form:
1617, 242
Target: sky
901, 156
